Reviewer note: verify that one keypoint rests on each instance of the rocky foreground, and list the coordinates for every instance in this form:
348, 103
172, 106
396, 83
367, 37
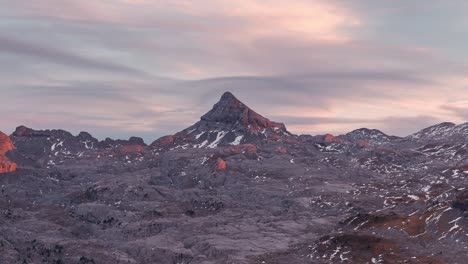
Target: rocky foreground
235, 188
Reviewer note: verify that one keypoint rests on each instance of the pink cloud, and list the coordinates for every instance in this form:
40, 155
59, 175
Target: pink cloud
313, 19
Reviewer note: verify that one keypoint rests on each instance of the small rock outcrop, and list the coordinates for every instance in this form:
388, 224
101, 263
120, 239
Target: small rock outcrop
329, 138
5, 146
221, 165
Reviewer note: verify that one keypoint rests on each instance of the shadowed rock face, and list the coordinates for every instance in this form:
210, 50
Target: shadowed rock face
461, 201
5, 146
113, 143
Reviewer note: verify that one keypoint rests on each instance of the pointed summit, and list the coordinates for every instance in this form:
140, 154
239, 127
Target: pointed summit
229, 122
225, 109
231, 111
228, 96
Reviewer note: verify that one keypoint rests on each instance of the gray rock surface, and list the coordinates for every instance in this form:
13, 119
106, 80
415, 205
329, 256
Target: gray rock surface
276, 198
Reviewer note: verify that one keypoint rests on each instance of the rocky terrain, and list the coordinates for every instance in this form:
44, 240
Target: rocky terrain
235, 188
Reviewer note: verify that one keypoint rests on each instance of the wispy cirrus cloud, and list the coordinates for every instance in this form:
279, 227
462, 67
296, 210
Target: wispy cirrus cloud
459, 109
55, 55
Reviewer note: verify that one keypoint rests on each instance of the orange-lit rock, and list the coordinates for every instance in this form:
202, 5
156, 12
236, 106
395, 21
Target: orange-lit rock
5, 146
221, 165
328, 138
363, 144
129, 149
167, 141
291, 141
7, 166
244, 148
164, 142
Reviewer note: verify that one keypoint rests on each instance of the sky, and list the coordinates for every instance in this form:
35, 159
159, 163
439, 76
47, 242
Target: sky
148, 68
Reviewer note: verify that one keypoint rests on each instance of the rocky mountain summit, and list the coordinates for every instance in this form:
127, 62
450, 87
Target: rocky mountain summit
235, 187
230, 122
372, 136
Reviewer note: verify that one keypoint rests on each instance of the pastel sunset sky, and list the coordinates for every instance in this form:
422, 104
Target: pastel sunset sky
149, 68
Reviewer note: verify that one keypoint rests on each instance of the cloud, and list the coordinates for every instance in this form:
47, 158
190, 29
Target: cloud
404, 126
391, 125
460, 111
336, 102
318, 18
54, 55
204, 39
156, 108
105, 109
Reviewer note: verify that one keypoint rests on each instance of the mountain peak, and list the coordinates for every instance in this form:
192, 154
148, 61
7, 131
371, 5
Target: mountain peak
373, 136
230, 110
22, 130
438, 131
226, 109
366, 131
228, 96
229, 122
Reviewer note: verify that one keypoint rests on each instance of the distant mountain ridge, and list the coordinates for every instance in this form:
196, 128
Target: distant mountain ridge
373, 136
441, 131
48, 147
229, 123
